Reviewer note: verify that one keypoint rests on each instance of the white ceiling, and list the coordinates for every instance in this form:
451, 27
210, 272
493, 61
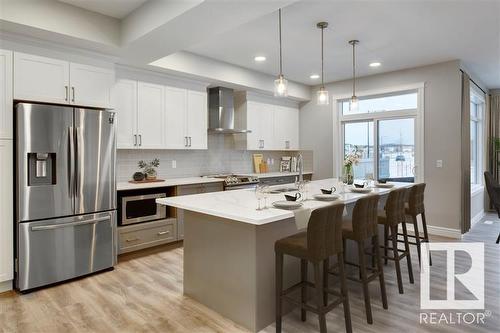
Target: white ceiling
401, 34
114, 8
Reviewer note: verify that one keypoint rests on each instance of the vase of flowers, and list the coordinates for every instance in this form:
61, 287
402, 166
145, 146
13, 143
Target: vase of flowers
350, 160
149, 168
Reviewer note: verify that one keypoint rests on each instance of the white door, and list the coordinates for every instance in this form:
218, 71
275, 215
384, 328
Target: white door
41, 79
6, 109
175, 118
254, 139
125, 106
281, 127
266, 124
293, 125
91, 86
6, 211
197, 122
150, 115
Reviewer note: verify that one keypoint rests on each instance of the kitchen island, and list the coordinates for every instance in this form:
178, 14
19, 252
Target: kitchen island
229, 250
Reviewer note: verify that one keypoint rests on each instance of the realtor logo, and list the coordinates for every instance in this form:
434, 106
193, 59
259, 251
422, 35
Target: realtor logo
473, 279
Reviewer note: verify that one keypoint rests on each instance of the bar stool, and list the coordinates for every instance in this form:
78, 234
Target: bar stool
391, 217
322, 240
413, 208
360, 228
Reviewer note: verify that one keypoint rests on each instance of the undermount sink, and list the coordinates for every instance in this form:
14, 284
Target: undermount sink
283, 190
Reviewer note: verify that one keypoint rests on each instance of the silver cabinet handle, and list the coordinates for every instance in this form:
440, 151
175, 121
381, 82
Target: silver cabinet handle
71, 224
135, 139
73, 91
160, 233
140, 139
66, 93
128, 240
287, 144
185, 141
189, 141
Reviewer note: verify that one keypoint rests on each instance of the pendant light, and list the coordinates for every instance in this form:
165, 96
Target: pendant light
322, 94
353, 105
280, 84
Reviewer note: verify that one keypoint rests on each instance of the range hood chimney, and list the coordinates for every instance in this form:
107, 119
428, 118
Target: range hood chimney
221, 111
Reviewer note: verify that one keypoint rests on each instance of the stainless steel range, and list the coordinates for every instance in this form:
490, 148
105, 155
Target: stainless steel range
236, 182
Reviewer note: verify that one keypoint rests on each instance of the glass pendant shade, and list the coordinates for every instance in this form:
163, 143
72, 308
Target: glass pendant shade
354, 103
280, 87
322, 97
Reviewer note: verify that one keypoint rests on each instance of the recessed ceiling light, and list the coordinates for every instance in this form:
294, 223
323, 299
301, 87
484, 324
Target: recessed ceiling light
259, 58
375, 64
314, 76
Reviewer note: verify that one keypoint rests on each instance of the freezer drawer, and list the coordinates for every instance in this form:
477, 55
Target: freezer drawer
59, 249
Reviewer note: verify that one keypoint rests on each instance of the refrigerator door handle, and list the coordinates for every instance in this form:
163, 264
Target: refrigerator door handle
71, 224
76, 173
71, 166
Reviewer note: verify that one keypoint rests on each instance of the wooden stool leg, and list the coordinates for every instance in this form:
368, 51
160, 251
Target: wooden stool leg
364, 282
417, 237
394, 237
326, 268
380, 269
319, 297
386, 243
345, 296
303, 291
408, 253
426, 235
279, 288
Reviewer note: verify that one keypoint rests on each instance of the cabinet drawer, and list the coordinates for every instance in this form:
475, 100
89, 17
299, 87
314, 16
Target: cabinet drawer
144, 235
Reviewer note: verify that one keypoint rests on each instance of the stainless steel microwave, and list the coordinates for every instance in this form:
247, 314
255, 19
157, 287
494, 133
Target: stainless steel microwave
142, 208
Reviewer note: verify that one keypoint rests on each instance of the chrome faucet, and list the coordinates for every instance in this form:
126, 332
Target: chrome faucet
300, 166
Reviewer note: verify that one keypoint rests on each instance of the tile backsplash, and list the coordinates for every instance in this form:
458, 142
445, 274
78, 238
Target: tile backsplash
221, 157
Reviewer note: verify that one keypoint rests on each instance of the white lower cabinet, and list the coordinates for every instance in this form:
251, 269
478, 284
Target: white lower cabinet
6, 213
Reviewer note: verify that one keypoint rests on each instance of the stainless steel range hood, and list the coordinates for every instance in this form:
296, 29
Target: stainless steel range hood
221, 112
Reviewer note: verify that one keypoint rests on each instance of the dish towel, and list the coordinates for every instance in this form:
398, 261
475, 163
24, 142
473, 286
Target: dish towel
302, 216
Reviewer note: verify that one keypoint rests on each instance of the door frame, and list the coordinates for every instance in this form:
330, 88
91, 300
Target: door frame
419, 114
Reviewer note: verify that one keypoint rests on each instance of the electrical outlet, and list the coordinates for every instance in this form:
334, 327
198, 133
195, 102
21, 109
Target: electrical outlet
439, 163
174, 164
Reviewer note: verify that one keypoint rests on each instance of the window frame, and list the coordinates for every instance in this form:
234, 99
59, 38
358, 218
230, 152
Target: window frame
480, 135
339, 119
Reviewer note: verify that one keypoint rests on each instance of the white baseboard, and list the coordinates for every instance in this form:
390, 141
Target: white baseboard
5, 286
437, 231
477, 218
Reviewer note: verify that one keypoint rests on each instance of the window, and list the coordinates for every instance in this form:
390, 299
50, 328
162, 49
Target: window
387, 129
476, 137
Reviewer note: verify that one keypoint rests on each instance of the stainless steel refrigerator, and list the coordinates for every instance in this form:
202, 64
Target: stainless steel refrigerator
65, 193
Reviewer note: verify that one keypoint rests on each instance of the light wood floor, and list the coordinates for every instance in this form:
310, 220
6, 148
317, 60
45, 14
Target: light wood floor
144, 294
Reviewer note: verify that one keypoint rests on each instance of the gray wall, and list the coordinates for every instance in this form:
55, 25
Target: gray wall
442, 133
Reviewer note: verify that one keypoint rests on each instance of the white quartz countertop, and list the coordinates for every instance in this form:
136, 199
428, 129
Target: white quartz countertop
124, 186
240, 205
273, 174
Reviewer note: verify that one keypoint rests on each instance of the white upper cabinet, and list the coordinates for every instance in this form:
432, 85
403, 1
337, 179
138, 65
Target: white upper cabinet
286, 128
6, 109
42, 79
176, 118
6, 211
150, 115
273, 127
197, 120
91, 86
125, 106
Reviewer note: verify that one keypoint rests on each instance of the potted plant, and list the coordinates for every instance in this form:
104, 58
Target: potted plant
350, 160
149, 168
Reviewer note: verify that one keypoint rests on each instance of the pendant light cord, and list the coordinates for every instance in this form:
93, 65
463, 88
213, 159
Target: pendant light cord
281, 56
322, 66
353, 69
